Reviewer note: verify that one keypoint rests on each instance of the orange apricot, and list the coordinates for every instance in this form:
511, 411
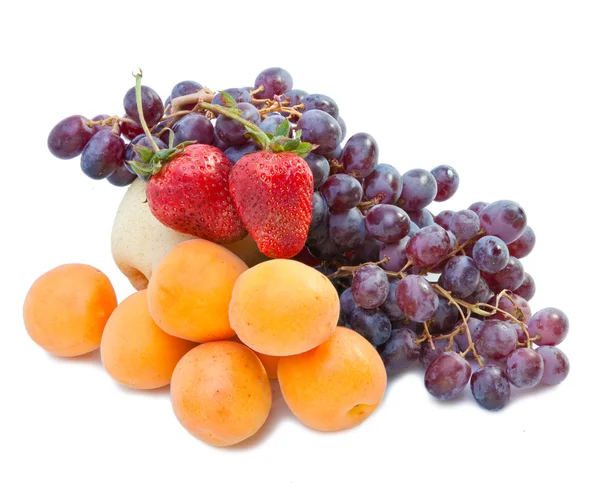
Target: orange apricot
283, 307
135, 351
269, 361
221, 393
66, 309
336, 385
190, 290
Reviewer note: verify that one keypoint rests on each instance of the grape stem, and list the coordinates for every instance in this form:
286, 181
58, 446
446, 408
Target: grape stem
204, 95
109, 121
140, 108
350, 270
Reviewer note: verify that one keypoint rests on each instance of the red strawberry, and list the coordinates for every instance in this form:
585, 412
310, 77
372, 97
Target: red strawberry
273, 196
190, 194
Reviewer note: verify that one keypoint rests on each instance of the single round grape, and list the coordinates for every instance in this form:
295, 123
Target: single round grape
97, 128
321, 102
396, 253
130, 130
69, 137
478, 206
319, 166
343, 126
460, 276
390, 305
429, 354
193, 127
233, 132
421, 218
524, 367
445, 317
236, 152
347, 229
122, 176
102, 155
219, 144
465, 225
447, 181
556, 365
416, 298
387, 223
495, 340
490, 387
152, 106
504, 219
428, 246
239, 95
342, 192
275, 81
520, 309
551, 324
295, 97
270, 124
348, 304
186, 88
370, 286
461, 339
360, 155
490, 254
443, 219
368, 251
509, 277
523, 246
400, 351
419, 189
383, 184
527, 289
447, 376
482, 293
372, 324
320, 128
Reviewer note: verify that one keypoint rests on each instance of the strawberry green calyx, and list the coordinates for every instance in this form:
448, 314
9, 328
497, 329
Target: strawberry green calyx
151, 162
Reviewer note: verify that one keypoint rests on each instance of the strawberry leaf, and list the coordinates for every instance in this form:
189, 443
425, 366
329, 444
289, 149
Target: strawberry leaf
284, 129
144, 153
228, 100
303, 149
291, 145
260, 138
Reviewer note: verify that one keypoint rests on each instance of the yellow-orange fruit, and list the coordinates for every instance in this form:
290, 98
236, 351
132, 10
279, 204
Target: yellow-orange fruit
269, 361
135, 351
335, 386
221, 393
283, 307
190, 290
66, 309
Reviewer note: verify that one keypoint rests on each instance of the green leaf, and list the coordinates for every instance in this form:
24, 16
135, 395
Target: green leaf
228, 100
298, 134
291, 145
260, 138
304, 148
145, 153
284, 129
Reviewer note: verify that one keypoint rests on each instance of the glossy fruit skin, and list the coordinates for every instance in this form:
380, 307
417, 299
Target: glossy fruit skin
102, 155
495, 340
551, 324
190, 194
319, 167
504, 219
193, 127
130, 130
447, 376
152, 106
523, 246
315, 101
273, 194
556, 365
240, 95
69, 137
416, 298
220, 393
336, 385
429, 354
342, 192
276, 81
233, 132
419, 189
320, 128
122, 176
527, 289
387, 223
360, 155
428, 246
185, 88
524, 367
370, 286
384, 184
236, 152
490, 254
490, 387
372, 324
510, 277
460, 276
400, 351
447, 180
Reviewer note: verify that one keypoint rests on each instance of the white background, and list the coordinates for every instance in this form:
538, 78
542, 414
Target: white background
506, 92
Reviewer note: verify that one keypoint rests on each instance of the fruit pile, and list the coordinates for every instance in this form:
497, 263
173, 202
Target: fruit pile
358, 280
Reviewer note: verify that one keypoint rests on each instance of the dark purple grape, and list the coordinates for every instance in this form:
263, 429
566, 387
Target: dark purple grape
428, 246
336, 154
131, 154
495, 340
342, 192
319, 166
419, 189
460, 276
236, 152
524, 367
321, 102
490, 387
465, 225
372, 324
421, 218
387, 223
323, 248
527, 289
416, 298
97, 128
186, 88
319, 210
509, 277
445, 317
429, 354
321, 129
159, 127
478, 206
383, 184
447, 181
390, 305
343, 126
69, 137
239, 95
152, 106
523, 246
504, 219
102, 155
275, 81
370, 286
348, 304
556, 365
400, 351
490, 254
447, 376
270, 124
461, 339
347, 229
233, 132
193, 127
443, 219
360, 155
130, 130
482, 293
295, 97
551, 324
396, 253
368, 251
219, 144
122, 176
